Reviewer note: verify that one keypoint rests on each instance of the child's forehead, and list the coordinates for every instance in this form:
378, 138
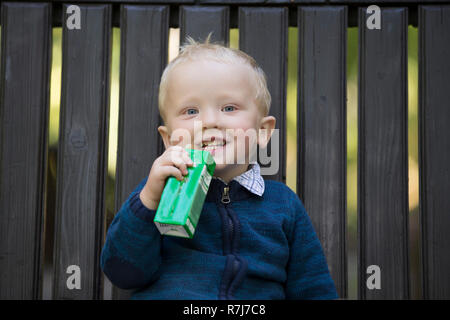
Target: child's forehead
236, 70
208, 62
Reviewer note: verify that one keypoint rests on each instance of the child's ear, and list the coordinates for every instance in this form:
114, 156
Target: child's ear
266, 129
164, 132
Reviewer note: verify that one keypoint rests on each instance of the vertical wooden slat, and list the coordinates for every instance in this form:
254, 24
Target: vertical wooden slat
383, 155
80, 200
198, 22
144, 33
321, 118
25, 73
263, 35
434, 149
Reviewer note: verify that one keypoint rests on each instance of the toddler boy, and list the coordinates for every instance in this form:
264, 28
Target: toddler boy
254, 239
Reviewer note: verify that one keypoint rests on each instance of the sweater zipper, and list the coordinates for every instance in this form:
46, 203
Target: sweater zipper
225, 200
236, 263
226, 195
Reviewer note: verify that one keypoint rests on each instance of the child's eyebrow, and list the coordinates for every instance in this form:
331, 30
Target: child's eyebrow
226, 96
186, 104
232, 99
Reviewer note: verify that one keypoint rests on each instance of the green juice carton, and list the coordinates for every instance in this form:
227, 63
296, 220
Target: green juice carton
182, 201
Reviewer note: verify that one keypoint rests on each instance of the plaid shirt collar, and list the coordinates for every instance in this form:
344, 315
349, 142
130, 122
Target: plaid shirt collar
251, 179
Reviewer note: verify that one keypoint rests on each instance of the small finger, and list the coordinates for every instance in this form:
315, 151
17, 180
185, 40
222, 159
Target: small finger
179, 162
173, 171
188, 159
164, 172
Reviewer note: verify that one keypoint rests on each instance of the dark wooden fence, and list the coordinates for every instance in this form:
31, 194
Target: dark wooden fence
383, 144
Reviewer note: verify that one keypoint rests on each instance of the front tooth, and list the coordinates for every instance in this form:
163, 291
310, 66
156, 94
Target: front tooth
214, 144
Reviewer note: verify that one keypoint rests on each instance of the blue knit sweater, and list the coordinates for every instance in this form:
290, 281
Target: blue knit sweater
251, 248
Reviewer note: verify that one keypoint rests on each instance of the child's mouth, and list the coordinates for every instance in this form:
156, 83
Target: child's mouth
213, 146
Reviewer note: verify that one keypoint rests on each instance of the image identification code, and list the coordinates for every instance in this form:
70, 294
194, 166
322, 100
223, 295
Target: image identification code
231, 309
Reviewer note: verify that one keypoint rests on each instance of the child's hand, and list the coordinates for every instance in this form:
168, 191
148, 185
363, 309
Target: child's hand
173, 162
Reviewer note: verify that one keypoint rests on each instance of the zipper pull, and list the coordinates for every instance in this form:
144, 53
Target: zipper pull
225, 195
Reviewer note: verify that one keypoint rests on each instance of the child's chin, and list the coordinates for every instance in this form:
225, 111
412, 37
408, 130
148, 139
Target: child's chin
222, 167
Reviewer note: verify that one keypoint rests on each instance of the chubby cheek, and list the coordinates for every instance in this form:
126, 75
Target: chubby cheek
245, 131
182, 136
244, 144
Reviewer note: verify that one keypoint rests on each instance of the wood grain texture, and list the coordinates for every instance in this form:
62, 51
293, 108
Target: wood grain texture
82, 157
198, 22
434, 149
383, 155
25, 73
263, 35
321, 130
143, 58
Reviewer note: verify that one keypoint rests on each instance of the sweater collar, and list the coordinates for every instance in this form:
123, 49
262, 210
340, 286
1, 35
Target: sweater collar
246, 185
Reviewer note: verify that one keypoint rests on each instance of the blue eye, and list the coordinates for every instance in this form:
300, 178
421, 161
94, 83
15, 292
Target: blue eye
227, 108
188, 111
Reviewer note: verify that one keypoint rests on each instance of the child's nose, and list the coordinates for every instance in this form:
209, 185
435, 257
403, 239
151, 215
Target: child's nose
210, 118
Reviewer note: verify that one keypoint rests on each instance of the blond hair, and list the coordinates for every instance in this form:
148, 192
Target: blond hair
192, 50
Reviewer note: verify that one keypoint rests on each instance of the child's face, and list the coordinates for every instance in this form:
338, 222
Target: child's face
213, 100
